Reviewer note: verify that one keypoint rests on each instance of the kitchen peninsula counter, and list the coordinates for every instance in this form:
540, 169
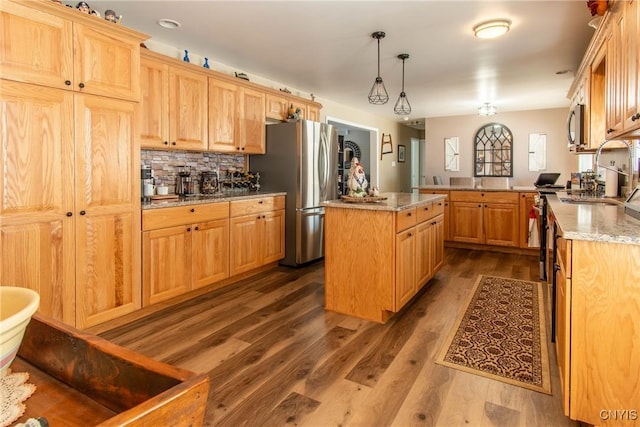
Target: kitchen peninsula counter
379, 255
444, 187
594, 221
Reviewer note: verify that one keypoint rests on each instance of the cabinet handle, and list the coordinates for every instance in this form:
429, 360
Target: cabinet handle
197, 228
440, 204
635, 117
173, 143
446, 204
479, 206
482, 194
67, 82
188, 228
81, 85
434, 222
69, 213
426, 209
409, 214
556, 267
193, 210
261, 202
485, 206
166, 143
83, 213
410, 234
610, 130
258, 217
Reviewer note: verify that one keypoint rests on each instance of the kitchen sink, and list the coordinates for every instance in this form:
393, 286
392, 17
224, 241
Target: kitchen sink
590, 201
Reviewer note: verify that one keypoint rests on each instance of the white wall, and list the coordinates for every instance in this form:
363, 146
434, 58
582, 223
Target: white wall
551, 122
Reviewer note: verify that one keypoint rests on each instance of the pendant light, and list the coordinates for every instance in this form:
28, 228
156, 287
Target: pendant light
402, 106
378, 94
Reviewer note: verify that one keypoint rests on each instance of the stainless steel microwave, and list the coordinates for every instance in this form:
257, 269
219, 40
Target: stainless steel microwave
575, 129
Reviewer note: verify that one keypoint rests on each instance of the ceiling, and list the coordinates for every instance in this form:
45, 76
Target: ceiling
326, 48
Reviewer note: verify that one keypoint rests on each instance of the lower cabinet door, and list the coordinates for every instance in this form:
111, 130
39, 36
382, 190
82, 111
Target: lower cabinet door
166, 269
466, 222
210, 252
273, 236
438, 234
405, 267
424, 258
501, 224
245, 247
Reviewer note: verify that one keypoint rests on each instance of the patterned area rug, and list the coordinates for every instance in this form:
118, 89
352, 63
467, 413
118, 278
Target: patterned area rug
501, 334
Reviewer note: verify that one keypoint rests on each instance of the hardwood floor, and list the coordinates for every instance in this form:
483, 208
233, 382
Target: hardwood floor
276, 358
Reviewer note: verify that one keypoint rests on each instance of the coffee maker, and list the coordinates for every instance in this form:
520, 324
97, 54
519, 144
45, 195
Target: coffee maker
145, 179
184, 182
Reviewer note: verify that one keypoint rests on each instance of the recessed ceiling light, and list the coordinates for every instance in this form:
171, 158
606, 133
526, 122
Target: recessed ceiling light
491, 29
168, 23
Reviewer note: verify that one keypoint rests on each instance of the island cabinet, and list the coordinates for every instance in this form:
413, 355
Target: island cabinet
257, 233
376, 260
173, 106
598, 330
480, 217
527, 201
447, 214
47, 44
236, 118
69, 161
183, 248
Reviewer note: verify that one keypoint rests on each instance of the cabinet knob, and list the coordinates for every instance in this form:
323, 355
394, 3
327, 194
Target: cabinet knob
409, 214
426, 209
173, 143
261, 202
67, 82
635, 117
258, 217
485, 206
83, 212
482, 194
440, 204
69, 213
188, 228
410, 234
81, 85
434, 223
193, 210
610, 130
197, 228
166, 143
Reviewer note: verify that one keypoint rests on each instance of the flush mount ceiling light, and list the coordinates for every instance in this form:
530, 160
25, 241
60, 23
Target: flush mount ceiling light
402, 106
378, 94
168, 23
491, 29
487, 109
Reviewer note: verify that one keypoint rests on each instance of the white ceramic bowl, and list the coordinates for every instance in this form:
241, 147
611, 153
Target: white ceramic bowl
17, 305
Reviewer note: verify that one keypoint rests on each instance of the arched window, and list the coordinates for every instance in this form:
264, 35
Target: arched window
493, 151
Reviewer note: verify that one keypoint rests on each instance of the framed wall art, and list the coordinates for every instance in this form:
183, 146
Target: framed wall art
402, 152
451, 154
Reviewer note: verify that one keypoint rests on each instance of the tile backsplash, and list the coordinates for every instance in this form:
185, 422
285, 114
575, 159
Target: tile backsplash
165, 164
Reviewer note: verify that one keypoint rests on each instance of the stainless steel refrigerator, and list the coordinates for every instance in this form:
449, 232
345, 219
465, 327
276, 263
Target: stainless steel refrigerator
301, 159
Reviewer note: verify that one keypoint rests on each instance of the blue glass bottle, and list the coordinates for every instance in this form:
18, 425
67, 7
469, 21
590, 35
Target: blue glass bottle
206, 63
186, 56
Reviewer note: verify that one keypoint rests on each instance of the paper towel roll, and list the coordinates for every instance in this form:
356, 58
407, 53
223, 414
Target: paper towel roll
611, 184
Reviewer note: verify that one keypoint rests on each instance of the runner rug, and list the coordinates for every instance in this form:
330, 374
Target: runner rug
500, 334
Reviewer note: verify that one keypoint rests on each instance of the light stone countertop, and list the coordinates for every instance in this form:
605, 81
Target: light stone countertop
394, 202
445, 187
201, 199
605, 223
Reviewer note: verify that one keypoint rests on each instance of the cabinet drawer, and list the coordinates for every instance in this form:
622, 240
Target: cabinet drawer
484, 196
424, 212
406, 219
258, 205
182, 215
438, 207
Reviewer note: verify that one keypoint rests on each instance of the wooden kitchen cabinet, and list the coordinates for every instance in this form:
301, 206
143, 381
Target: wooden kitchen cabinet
256, 233
277, 107
402, 255
490, 218
36, 200
596, 328
47, 44
83, 265
237, 122
447, 214
631, 65
183, 248
174, 105
527, 200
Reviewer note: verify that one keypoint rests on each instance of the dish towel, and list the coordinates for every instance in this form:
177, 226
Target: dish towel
534, 238
14, 390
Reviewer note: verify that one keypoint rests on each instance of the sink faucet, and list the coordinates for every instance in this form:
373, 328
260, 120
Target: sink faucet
629, 148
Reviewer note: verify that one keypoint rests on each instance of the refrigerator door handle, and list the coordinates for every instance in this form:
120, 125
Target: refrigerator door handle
323, 164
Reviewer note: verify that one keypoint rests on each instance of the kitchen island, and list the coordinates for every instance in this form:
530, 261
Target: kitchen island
379, 255
597, 306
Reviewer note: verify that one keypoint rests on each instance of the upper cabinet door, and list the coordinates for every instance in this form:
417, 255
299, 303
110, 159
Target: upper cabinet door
224, 109
188, 109
276, 107
106, 65
35, 47
252, 122
631, 58
154, 104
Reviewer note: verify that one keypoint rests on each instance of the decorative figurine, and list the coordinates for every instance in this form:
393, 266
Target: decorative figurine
357, 181
294, 113
110, 15
186, 56
206, 63
242, 76
83, 7
313, 97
